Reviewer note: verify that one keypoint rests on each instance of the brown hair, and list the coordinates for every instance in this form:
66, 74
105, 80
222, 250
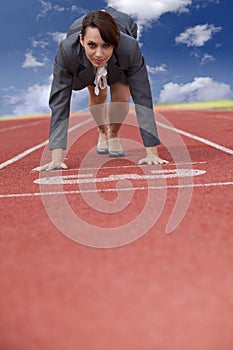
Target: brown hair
106, 25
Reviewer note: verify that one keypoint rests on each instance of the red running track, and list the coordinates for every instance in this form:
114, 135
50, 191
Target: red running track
154, 290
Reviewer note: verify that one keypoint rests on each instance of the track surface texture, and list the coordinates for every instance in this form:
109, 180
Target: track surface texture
112, 255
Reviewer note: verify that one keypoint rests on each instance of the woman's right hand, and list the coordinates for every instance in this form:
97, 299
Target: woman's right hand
51, 166
56, 163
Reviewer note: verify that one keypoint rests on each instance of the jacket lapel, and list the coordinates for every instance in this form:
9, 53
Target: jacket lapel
114, 71
87, 75
86, 72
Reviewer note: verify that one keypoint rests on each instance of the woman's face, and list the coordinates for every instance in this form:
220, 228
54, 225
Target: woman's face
97, 51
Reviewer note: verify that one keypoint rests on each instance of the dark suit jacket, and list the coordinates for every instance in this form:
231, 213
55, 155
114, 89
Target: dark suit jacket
125, 23
73, 71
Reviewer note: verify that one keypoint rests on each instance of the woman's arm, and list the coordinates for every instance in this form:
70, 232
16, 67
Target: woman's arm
141, 93
60, 105
59, 101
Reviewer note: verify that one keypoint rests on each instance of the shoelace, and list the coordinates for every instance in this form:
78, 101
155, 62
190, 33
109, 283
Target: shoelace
100, 79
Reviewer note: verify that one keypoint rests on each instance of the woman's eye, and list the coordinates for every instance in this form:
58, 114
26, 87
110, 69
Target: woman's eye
91, 45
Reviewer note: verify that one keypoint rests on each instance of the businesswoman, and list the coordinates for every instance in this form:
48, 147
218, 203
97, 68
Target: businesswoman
101, 50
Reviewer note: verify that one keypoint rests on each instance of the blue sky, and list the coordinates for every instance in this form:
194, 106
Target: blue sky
187, 45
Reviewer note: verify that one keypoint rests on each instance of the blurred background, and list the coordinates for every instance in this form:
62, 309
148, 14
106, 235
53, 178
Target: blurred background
187, 45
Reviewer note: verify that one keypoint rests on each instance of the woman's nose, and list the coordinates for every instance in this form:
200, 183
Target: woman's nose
98, 52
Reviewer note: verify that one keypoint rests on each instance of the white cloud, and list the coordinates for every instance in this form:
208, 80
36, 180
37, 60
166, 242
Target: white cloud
74, 8
31, 61
48, 8
145, 10
59, 8
202, 58
159, 69
39, 43
58, 36
79, 100
207, 58
197, 36
200, 89
35, 100
204, 3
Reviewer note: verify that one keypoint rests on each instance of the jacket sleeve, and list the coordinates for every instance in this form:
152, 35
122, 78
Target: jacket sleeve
59, 101
141, 94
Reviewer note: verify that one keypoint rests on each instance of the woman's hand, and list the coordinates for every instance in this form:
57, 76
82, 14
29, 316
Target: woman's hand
51, 166
152, 157
56, 163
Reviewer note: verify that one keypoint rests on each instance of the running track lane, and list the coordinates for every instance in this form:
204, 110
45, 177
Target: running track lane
159, 292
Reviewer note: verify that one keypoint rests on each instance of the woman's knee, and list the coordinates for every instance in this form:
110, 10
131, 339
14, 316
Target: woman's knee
97, 99
120, 92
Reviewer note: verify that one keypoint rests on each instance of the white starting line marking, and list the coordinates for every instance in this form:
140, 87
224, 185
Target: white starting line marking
88, 178
38, 194
145, 166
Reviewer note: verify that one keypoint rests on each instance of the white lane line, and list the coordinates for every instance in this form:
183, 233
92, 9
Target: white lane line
22, 155
32, 149
127, 166
19, 126
194, 137
38, 194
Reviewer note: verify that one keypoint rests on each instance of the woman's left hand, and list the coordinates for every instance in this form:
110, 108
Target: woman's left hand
152, 157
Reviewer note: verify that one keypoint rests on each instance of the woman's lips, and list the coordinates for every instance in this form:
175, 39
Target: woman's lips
99, 62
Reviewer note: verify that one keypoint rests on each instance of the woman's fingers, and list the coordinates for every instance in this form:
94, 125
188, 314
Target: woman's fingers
56, 165
51, 166
152, 159
40, 168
